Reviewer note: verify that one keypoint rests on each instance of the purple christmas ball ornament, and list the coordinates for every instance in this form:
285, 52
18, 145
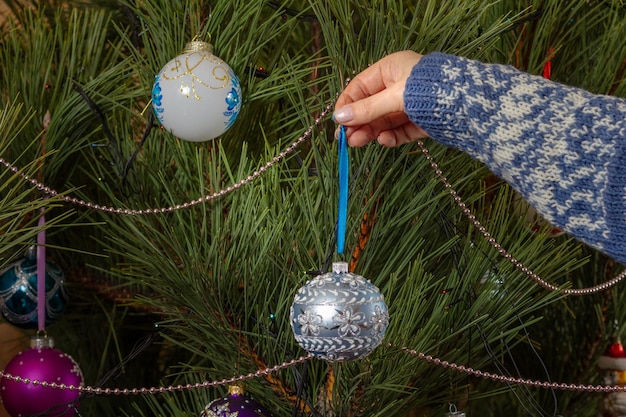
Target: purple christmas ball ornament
235, 404
41, 363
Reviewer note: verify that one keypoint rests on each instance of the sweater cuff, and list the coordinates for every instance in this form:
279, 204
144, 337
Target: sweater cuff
433, 101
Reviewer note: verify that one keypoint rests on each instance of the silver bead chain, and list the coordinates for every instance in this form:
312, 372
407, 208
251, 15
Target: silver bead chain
86, 389
501, 250
138, 212
510, 379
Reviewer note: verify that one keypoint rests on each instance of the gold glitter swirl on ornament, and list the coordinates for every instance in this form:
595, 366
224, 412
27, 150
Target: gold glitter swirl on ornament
195, 54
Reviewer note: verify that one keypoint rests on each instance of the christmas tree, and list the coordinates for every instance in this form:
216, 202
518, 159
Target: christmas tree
182, 258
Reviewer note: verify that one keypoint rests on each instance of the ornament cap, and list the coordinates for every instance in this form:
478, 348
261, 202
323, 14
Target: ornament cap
31, 253
39, 342
453, 412
235, 390
616, 349
195, 46
340, 267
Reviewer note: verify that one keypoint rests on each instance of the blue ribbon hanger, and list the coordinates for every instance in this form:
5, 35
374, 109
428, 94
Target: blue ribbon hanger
343, 190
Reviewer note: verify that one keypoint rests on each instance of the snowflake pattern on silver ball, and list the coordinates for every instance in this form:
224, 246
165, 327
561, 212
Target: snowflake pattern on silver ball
310, 322
348, 322
339, 315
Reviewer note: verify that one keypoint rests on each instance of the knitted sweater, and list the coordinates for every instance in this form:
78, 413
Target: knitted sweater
562, 148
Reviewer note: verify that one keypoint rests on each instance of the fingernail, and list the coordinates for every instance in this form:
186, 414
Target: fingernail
343, 115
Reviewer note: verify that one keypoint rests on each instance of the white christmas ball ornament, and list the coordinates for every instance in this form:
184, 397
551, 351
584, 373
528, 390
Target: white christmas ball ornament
339, 315
196, 96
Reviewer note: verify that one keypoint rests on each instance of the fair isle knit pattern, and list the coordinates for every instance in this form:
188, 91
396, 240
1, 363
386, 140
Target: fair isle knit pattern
562, 148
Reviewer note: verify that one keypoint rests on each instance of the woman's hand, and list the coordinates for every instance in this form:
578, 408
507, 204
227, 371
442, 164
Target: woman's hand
372, 105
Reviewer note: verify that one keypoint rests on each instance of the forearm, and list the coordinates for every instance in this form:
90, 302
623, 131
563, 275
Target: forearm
563, 148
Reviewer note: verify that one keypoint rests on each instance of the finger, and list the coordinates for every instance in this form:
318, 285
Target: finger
360, 136
371, 108
382, 74
398, 135
363, 134
390, 138
366, 83
378, 76
401, 135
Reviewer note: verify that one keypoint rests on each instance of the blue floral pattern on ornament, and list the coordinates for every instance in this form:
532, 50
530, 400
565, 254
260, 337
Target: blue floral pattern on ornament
233, 100
157, 98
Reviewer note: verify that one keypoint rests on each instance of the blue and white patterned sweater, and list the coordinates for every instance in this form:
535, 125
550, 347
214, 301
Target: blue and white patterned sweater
562, 148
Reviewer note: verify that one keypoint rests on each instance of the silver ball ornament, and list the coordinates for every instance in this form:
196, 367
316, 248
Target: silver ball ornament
339, 315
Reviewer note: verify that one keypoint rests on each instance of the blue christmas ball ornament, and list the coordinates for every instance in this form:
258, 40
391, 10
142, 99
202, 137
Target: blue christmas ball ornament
339, 315
18, 292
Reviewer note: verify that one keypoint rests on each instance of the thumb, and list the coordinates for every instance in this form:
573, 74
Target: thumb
364, 111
